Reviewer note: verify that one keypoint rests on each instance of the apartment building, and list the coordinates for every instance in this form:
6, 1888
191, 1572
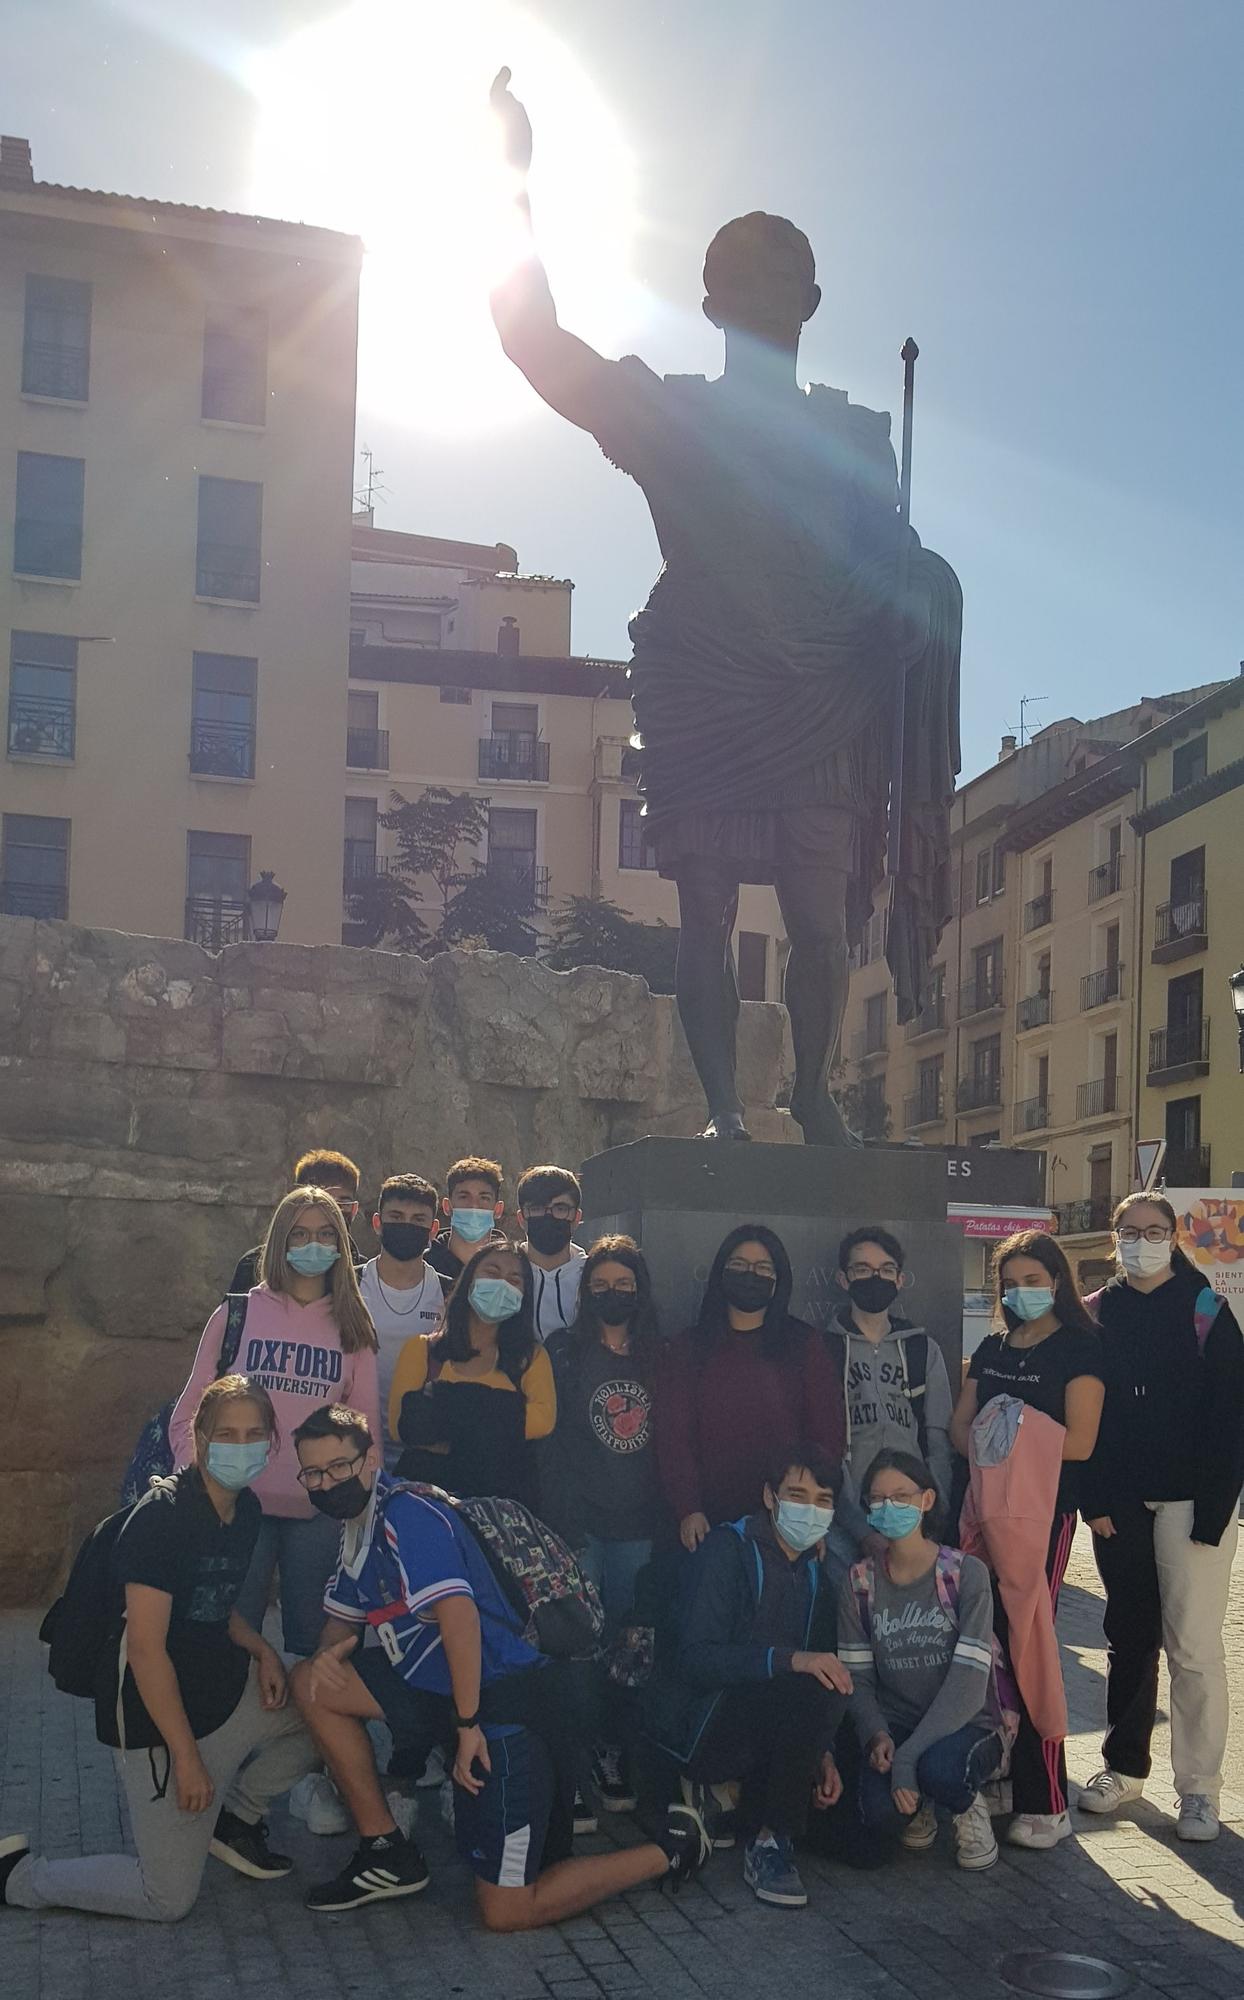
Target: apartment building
461, 676
176, 447
1190, 818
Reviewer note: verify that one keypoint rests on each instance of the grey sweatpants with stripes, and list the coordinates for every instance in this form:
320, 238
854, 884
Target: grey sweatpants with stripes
162, 1884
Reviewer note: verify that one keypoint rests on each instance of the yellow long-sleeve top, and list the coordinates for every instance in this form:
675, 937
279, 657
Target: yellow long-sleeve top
536, 1385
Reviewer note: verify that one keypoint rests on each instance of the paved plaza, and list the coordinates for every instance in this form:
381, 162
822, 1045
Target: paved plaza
1124, 1890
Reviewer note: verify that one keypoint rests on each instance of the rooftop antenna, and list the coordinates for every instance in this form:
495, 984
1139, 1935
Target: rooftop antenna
373, 490
1027, 701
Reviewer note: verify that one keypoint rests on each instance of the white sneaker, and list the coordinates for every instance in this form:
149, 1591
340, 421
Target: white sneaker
1198, 1818
315, 1800
1108, 1791
921, 1829
998, 1797
435, 1772
1039, 1829
975, 1846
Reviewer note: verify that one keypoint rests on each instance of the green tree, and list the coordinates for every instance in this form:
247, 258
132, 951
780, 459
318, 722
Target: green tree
488, 912
863, 1107
590, 930
470, 907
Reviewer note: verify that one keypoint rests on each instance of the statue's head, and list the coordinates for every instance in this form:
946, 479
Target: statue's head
760, 277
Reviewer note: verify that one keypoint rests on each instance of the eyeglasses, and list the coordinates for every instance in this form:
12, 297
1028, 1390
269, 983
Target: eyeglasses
564, 1211
298, 1239
908, 1499
763, 1268
314, 1476
1156, 1233
855, 1271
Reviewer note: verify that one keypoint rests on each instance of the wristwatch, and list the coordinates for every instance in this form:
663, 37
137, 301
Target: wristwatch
466, 1721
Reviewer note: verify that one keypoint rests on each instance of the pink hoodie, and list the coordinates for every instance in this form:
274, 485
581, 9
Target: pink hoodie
295, 1352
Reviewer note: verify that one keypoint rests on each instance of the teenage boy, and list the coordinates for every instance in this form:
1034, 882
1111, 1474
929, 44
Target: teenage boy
401, 1291
550, 1203
410, 1569
757, 1691
894, 1383
473, 1208
322, 1168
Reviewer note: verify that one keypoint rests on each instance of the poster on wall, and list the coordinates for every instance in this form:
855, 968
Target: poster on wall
1211, 1230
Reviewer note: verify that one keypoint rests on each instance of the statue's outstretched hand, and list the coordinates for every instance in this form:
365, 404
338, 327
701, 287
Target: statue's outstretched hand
514, 122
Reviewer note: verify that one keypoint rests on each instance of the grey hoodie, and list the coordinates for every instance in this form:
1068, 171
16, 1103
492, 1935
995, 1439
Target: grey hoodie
880, 1414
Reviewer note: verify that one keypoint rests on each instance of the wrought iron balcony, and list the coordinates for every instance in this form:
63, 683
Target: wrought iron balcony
931, 1020
361, 864
1183, 1048
1032, 1114
367, 749
222, 749
1097, 1098
1105, 880
924, 1107
1181, 928
1034, 1012
514, 755
40, 726
980, 996
34, 899
1096, 988
979, 1093
868, 1042
215, 921
1039, 912
50, 369
224, 570
1187, 1166
1083, 1218
530, 885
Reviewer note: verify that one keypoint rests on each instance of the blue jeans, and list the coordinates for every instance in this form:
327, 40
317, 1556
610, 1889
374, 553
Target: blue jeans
304, 1554
613, 1568
950, 1773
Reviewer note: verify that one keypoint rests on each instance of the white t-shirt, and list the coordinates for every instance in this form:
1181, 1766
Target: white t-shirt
557, 1292
396, 1316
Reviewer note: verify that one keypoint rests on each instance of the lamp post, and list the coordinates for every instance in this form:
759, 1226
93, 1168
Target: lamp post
1236, 983
265, 900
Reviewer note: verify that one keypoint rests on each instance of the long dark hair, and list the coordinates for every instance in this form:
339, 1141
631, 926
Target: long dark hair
912, 1467
1069, 1309
516, 1337
714, 1320
645, 1327
1179, 1258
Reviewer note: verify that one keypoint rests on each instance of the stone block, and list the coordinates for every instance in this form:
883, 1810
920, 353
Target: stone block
254, 1043
84, 1104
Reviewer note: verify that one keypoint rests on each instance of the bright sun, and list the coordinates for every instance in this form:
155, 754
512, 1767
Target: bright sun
377, 122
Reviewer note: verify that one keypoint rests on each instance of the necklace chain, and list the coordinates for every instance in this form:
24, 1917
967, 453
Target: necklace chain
396, 1310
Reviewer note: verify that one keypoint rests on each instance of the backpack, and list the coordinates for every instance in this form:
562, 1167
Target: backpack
1209, 1304
152, 1456
1002, 1700
913, 1354
555, 1607
89, 1613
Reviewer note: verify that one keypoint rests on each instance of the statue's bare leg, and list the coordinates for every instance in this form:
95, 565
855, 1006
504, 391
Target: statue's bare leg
813, 899
707, 990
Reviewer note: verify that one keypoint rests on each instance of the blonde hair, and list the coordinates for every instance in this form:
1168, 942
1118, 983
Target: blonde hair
353, 1321
230, 1389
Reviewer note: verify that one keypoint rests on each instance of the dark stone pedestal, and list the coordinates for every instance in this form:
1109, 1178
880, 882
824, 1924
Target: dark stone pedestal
678, 1198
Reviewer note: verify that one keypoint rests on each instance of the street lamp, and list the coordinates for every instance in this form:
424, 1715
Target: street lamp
265, 900
1236, 983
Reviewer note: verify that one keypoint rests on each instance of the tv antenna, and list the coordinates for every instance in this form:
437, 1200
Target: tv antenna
373, 490
1027, 701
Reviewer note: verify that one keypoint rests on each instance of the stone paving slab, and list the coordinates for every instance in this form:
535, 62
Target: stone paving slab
1126, 1890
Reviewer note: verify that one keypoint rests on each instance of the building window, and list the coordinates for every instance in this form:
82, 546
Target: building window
457, 697
34, 866
753, 960
986, 987
218, 867
56, 350
514, 749
235, 369
228, 560
984, 875
360, 849
47, 534
367, 745
874, 1023
222, 722
999, 869
1189, 762
633, 850
512, 847
43, 675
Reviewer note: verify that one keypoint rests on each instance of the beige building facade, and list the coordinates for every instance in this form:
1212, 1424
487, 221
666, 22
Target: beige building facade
176, 445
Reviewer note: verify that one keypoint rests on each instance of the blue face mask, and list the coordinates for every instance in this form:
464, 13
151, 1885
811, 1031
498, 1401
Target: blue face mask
495, 1299
311, 1260
233, 1466
801, 1524
473, 1224
894, 1518
1028, 1301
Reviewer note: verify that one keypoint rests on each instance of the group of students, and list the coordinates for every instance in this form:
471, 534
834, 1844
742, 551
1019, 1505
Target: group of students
828, 1584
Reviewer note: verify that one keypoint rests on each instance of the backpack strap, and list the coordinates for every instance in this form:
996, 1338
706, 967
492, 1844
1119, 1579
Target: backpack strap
235, 1326
913, 1350
947, 1572
1206, 1310
840, 1355
863, 1588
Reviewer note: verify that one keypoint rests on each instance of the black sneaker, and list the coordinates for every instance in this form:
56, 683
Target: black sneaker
245, 1847
386, 1866
611, 1775
720, 1821
13, 1848
686, 1845
585, 1820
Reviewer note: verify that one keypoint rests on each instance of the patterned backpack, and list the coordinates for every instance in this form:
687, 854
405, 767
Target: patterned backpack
1002, 1698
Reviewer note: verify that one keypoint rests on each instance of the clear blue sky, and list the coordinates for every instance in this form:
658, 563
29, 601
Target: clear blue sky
1048, 197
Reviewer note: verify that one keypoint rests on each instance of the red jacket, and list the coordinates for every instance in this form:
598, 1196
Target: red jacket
724, 1408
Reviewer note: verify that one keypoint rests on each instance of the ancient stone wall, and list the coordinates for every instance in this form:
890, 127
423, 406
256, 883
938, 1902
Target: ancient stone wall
152, 1096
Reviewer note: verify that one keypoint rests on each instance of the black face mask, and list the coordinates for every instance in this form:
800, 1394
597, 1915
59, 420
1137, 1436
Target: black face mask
343, 1501
405, 1240
747, 1291
614, 1307
873, 1295
548, 1234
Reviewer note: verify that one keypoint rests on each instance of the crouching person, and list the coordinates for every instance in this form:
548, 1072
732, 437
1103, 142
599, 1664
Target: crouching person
916, 1632
200, 1692
414, 1571
755, 1696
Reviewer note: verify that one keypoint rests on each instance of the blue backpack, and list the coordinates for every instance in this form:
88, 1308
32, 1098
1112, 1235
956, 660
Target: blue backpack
152, 1457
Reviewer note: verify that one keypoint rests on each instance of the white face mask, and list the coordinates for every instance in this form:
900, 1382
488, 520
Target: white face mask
1143, 1259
